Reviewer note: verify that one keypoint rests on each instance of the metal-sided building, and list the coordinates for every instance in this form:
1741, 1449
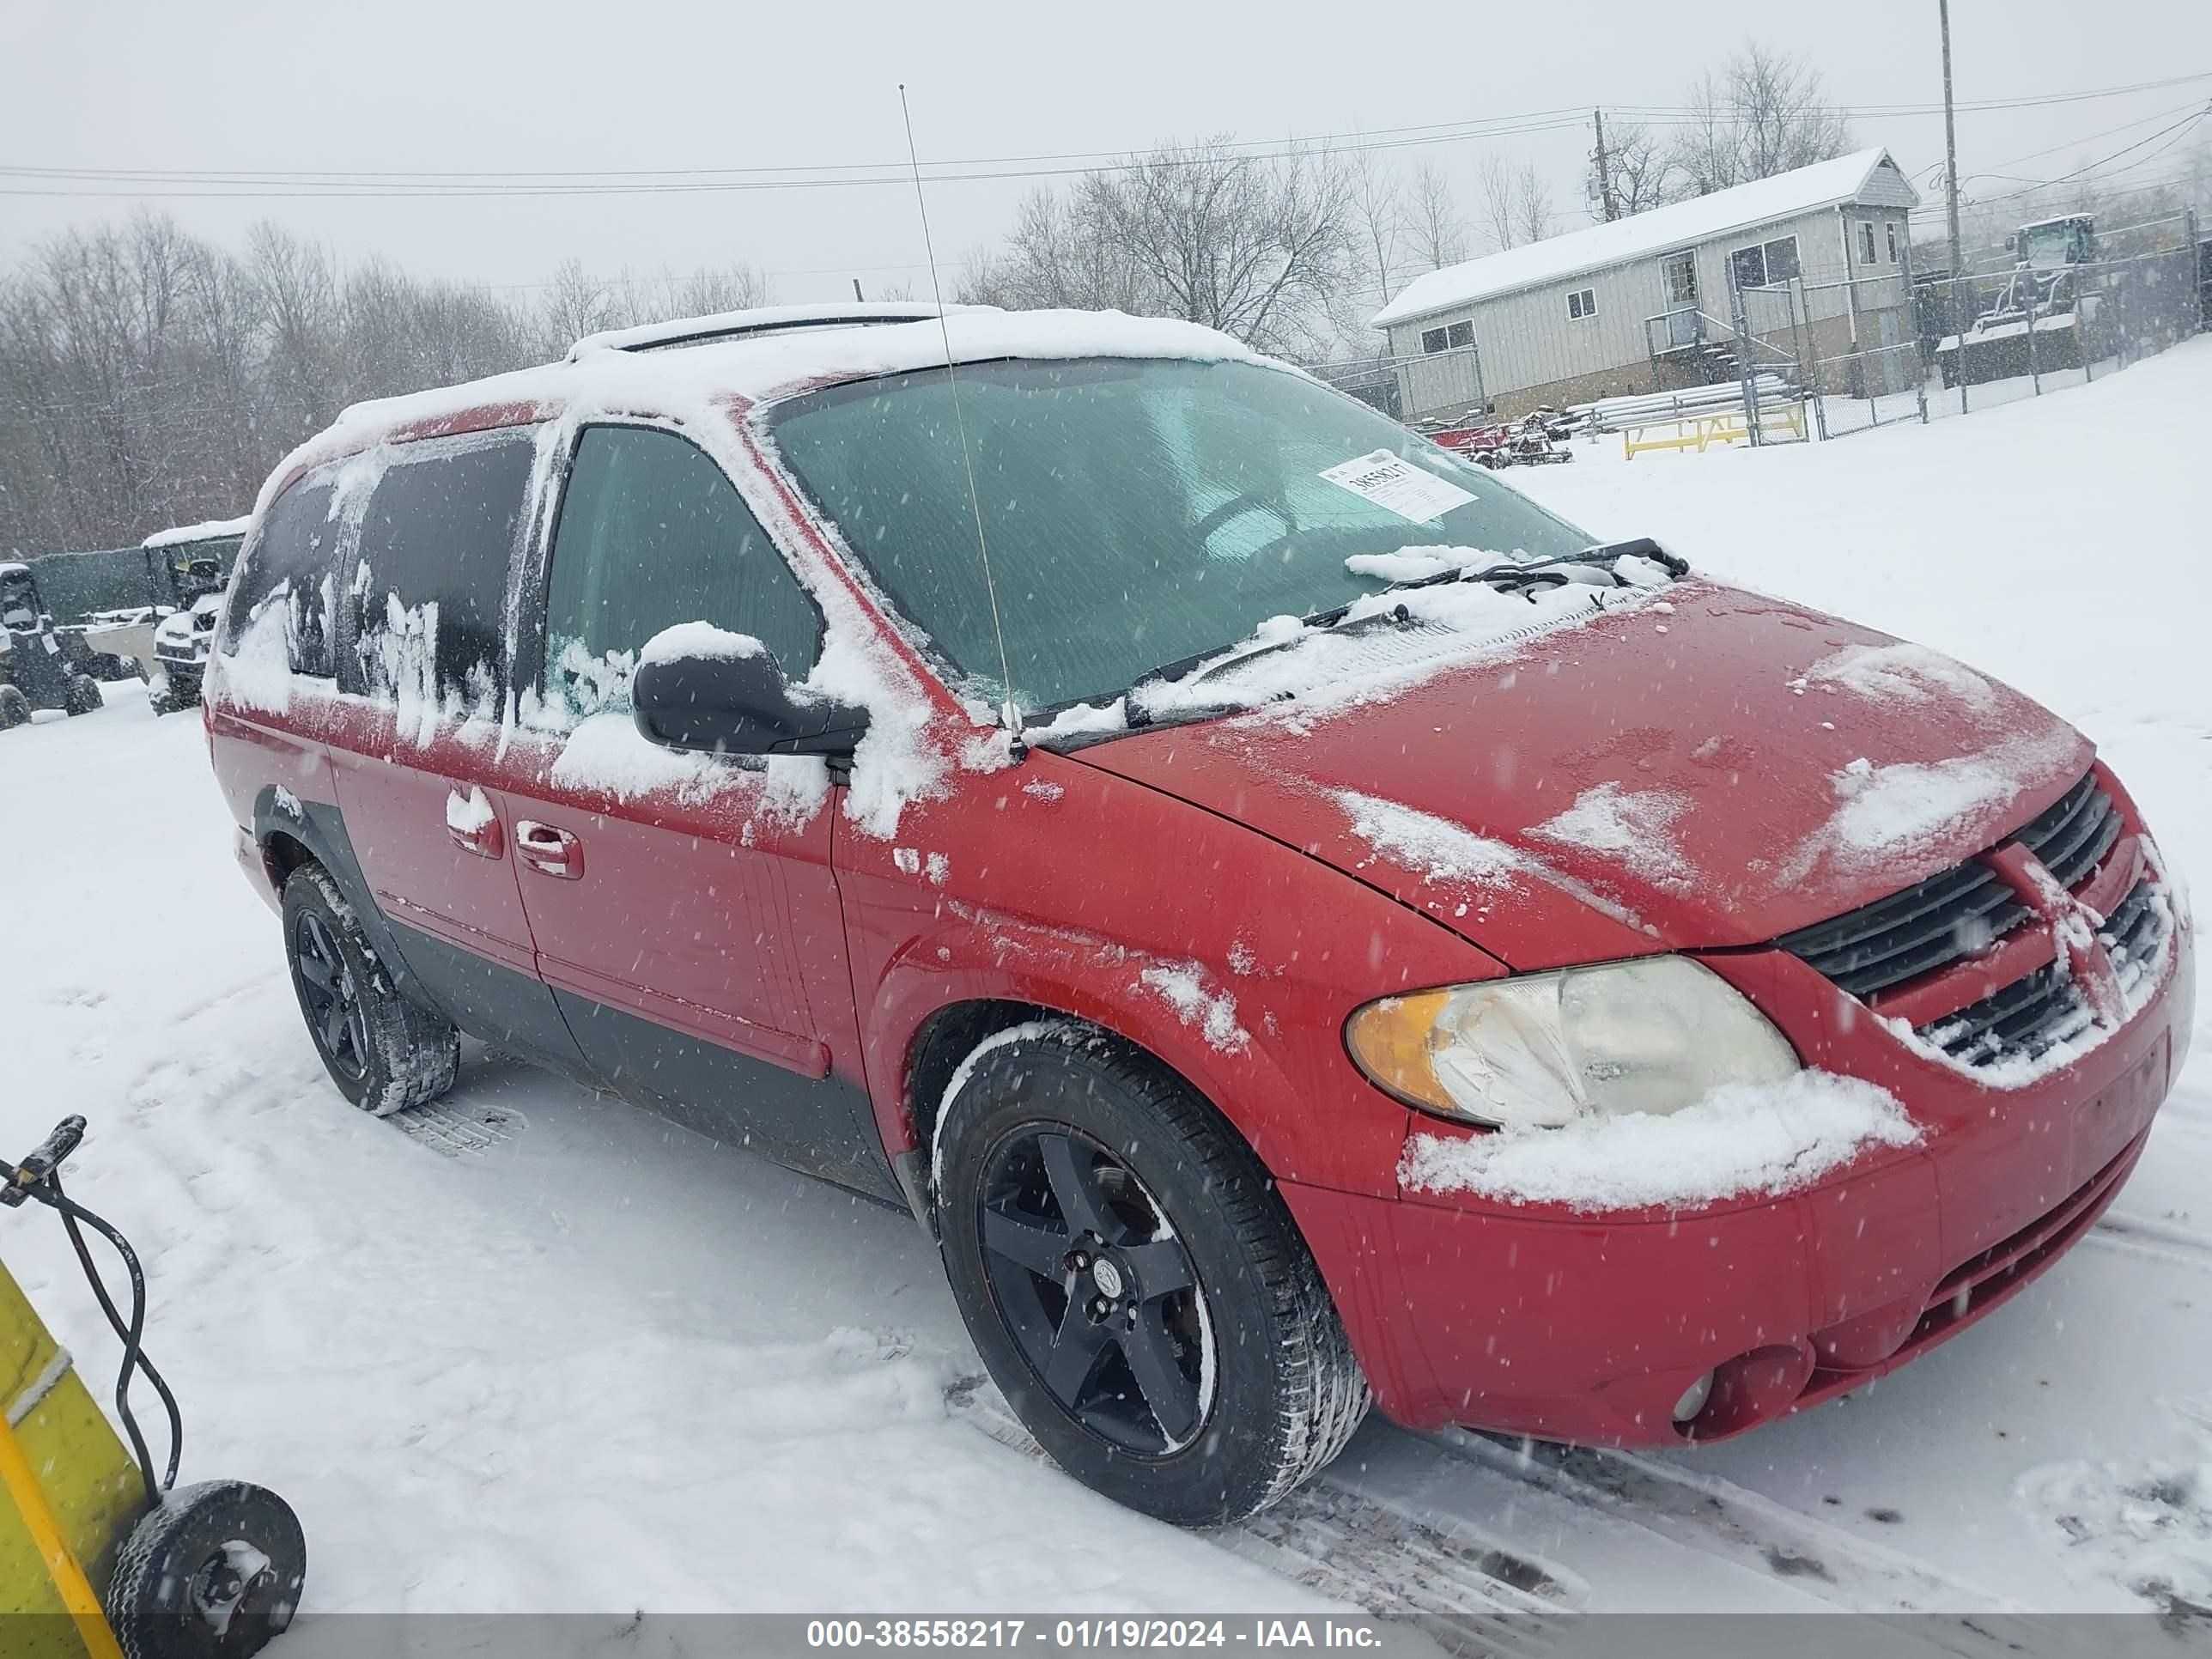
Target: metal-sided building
1642, 304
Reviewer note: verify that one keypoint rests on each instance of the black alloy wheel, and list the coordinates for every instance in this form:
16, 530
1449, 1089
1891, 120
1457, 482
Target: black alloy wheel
331, 997
1133, 1282
1097, 1291
384, 1051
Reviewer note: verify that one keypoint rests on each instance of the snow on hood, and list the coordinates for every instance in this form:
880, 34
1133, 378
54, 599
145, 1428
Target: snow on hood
1713, 769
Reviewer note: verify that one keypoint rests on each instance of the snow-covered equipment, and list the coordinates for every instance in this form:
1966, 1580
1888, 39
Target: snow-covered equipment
2036, 320
165, 636
1536, 439
212, 1572
35, 672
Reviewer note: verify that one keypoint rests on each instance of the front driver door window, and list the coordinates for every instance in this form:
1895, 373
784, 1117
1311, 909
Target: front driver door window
692, 937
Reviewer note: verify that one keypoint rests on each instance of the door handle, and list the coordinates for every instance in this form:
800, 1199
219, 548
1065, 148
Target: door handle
472, 824
555, 852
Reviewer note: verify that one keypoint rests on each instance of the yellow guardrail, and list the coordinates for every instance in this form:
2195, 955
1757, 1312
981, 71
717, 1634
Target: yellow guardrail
1706, 430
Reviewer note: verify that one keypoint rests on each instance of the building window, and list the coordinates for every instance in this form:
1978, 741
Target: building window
1681, 276
1582, 303
1767, 264
1432, 339
1460, 334
1866, 241
1889, 227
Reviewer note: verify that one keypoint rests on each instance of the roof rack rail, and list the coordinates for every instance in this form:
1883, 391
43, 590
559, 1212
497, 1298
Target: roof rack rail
761, 320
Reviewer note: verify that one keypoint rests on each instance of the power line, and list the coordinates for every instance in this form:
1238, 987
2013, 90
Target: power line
344, 183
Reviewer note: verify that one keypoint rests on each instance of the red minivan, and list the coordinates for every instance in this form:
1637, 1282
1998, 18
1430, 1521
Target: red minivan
1294, 920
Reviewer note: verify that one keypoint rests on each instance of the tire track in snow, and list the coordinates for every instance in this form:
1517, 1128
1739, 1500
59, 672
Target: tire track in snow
1470, 1595
2160, 1241
1726, 1519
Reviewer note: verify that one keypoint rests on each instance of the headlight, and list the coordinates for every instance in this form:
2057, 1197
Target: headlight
1650, 1036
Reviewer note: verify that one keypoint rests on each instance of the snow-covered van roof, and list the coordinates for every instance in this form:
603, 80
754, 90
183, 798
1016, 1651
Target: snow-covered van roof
10, 568
696, 383
1825, 184
213, 530
757, 320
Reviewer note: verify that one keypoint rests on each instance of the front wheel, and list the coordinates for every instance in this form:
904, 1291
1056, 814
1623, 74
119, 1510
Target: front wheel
384, 1052
84, 695
214, 1573
1135, 1284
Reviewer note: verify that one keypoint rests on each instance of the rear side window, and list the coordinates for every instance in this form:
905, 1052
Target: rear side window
427, 583
290, 565
653, 533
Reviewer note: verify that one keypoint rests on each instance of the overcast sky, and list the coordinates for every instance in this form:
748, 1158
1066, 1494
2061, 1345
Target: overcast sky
477, 85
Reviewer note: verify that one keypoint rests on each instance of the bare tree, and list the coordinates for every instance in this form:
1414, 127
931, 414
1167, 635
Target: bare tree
1495, 180
147, 379
1765, 112
1532, 205
1516, 206
1436, 234
1637, 169
1377, 211
1261, 249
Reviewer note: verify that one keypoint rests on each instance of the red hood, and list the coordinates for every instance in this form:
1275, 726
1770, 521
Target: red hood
1714, 774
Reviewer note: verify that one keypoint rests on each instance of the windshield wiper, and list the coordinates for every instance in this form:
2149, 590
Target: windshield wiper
1512, 576
1518, 573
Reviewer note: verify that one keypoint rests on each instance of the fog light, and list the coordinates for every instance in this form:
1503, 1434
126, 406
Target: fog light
1693, 1399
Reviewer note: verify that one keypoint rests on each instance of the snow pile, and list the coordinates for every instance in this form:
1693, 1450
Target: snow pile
1890, 816
1182, 986
699, 639
471, 814
257, 674
1447, 854
1633, 828
1741, 1140
1411, 565
1900, 673
213, 530
1439, 849
2145, 1526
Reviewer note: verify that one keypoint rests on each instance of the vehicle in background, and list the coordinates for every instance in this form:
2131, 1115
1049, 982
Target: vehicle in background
182, 575
1537, 438
2043, 296
35, 672
1288, 916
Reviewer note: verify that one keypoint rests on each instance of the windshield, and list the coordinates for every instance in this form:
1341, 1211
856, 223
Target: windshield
1138, 512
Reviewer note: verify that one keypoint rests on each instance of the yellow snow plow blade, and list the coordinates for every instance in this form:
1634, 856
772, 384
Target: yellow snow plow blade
69, 1494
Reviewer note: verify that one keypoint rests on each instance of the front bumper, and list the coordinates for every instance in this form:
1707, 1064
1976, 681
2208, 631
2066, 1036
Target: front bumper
1536, 1320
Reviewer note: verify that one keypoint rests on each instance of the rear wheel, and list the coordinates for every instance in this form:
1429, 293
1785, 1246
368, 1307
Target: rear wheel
14, 707
1135, 1284
384, 1052
214, 1573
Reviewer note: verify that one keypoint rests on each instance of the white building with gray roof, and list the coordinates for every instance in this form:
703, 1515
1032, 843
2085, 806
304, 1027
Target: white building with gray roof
1638, 305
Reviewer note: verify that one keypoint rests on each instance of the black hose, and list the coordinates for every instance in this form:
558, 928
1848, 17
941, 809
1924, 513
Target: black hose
49, 1193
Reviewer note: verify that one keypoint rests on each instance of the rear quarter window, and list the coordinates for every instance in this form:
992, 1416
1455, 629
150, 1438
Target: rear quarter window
290, 563
426, 585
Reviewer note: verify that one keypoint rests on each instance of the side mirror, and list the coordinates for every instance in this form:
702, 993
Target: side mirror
698, 687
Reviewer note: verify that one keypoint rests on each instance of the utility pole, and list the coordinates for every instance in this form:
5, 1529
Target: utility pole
1950, 140
857, 294
1605, 209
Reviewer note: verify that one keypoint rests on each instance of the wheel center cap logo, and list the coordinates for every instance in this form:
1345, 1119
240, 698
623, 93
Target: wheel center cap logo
1107, 1277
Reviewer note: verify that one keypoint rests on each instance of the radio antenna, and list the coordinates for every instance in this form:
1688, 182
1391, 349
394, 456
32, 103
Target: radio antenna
1010, 711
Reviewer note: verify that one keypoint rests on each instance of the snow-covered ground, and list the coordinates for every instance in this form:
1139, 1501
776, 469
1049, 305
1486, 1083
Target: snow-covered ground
548, 1352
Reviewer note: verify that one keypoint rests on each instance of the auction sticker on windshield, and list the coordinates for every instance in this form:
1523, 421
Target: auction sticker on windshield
1391, 482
